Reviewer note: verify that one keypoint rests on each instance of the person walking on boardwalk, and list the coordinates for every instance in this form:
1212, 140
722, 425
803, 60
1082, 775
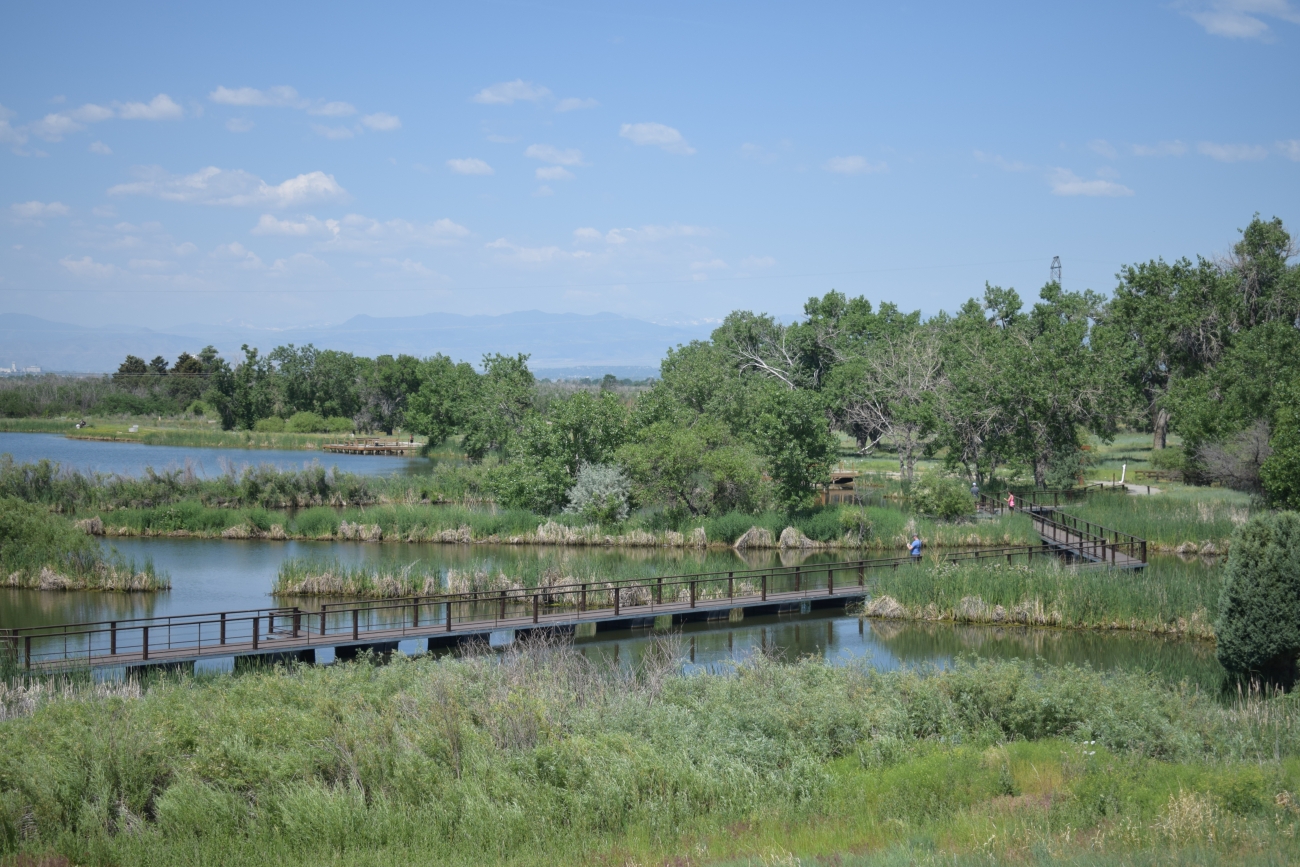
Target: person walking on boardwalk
1011, 501
915, 548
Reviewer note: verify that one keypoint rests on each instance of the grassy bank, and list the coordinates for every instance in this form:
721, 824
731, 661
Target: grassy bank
1167, 597
890, 529
1185, 519
46, 552
546, 758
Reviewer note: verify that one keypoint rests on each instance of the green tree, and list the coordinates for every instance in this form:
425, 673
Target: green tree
794, 438
1280, 472
442, 404
696, 465
131, 372
386, 385
503, 397
188, 378
1258, 630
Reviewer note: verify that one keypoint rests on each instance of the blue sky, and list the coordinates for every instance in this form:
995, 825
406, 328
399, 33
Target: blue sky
279, 165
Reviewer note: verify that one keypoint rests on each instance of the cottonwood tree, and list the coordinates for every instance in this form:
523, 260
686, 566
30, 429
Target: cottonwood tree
891, 391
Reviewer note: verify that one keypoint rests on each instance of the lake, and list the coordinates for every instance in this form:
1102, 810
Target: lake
132, 459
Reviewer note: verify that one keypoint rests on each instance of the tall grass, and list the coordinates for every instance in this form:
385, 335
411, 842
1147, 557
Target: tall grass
1197, 520
44, 551
543, 757
1167, 596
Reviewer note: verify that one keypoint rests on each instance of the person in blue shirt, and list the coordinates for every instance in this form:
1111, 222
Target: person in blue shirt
915, 547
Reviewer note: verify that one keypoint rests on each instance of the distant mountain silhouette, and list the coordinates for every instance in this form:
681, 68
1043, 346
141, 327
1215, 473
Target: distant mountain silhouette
561, 344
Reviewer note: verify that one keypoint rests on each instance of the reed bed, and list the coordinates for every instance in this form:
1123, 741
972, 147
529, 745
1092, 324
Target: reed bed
1167, 597
1196, 520
541, 756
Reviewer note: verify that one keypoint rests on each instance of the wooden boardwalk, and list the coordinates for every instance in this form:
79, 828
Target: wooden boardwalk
373, 447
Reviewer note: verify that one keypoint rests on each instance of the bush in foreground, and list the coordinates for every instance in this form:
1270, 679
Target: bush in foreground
1258, 630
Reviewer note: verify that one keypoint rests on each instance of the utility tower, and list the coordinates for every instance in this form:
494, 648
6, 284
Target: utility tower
1056, 269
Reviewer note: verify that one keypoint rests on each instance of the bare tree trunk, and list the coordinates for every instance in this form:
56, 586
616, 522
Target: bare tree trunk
1040, 471
1160, 429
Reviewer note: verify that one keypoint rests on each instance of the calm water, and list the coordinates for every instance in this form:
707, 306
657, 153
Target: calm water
131, 459
216, 575
888, 645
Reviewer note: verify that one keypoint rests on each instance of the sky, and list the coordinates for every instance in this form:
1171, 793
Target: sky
285, 165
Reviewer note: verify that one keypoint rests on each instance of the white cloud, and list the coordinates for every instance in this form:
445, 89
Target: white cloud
382, 121
8, 134
503, 139
469, 166
656, 134
758, 153
711, 265
333, 109
214, 186
240, 254
53, 127
239, 124
757, 262
1067, 183
35, 210
105, 211
853, 165
283, 95
98, 147
333, 133
1238, 19
534, 255
1290, 149
507, 92
147, 264
88, 267
574, 104
1103, 148
185, 249
552, 154
1002, 163
543, 190
586, 234
409, 266
645, 234
1160, 149
1231, 153
269, 225
357, 233
90, 113
160, 107
554, 173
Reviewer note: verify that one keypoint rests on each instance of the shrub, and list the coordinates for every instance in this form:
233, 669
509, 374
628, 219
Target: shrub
942, 497
599, 494
1169, 458
274, 424
305, 422
339, 424
1258, 630
822, 526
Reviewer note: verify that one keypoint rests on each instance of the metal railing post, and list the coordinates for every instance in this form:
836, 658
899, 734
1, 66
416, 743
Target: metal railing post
618, 600
297, 621
731, 585
356, 624
256, 629
659, 590
764, 588
449, 615
322, 621
112, 638
798, 584
862, 575
692, 594
537, 605
27, 652
221, 638
830, 581
582, 599
415, 614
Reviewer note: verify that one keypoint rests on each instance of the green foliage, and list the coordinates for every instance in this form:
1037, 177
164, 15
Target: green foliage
305, 422
503, 397
444, 400
599, 494
38, 549
273, 424
698, 467
791, 433
1258, 630
942, 497
1280, 472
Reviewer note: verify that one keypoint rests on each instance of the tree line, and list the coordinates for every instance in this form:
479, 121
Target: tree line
749, 418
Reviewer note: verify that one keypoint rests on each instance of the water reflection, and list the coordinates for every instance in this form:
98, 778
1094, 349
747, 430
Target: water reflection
889, 645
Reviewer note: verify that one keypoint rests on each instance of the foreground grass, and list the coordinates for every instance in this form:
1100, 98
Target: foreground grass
542, 757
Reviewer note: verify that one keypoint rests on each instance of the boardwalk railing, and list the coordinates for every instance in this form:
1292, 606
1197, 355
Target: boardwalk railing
996, 504
1085, 539
267, 630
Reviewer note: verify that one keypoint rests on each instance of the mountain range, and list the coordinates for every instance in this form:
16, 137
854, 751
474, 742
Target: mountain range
560, 344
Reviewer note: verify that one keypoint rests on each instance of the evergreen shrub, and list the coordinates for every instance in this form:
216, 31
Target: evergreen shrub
1258, 630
